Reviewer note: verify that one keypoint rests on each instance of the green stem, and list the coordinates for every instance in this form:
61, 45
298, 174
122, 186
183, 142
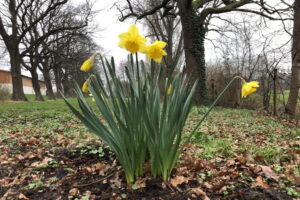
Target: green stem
137, 67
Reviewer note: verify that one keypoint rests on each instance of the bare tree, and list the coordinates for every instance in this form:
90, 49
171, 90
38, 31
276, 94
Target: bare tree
15, 23
65, 22
196, 17
243, 48
295, 77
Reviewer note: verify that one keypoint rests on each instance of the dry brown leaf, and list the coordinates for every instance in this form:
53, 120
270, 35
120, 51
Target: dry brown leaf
141, 182
230, 162
200, 192
208, 185
259, 182
22, 196
89, 169
101, 167
7, 194
178, 180
242, 159
16, 181
74, 192
40, 163
268, 172
116, 182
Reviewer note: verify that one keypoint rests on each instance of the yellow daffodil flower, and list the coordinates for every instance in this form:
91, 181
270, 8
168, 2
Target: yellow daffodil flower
132, 41
87, 65
169, 90
249, 88
93, 99
85, 87
155, 51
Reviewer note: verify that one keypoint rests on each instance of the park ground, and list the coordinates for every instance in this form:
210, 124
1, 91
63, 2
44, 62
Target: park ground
46, 153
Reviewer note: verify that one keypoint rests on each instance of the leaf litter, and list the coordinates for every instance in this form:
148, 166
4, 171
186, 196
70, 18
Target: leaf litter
50, 160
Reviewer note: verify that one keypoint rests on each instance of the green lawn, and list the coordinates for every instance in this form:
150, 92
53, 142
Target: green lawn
228, 133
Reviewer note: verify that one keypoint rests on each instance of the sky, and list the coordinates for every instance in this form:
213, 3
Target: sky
110, 27
107, 31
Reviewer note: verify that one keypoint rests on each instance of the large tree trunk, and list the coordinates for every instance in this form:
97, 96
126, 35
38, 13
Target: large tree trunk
36, 85
48, 84
193, 36
295, 77
15, 62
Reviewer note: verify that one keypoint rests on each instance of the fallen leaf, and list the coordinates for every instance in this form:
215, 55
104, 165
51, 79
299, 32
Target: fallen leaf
268, 172
242, 159
200, 192
22, 196
259, 182
74, 192
141, 182
178, 180
116, 181
208, 185
44, 162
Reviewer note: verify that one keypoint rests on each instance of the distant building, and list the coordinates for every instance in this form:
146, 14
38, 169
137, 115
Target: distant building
6, 81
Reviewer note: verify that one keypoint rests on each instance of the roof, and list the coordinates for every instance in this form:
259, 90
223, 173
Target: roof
7, 71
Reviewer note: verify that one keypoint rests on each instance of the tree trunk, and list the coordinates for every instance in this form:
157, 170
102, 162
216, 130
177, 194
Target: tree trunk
58, 77
193, 37
295, 77
36, 85
48, 84
15, 62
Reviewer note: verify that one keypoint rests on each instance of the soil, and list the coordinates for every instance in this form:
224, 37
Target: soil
72, 174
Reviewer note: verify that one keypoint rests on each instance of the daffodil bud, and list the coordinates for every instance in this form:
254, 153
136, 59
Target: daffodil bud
85, 87
87, 65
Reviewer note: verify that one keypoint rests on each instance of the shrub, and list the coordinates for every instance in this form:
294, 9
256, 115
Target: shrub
4, 93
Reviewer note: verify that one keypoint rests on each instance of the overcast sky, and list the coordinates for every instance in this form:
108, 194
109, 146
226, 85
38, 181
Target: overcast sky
109, 27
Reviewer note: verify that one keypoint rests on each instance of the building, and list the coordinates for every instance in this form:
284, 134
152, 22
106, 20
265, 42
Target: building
6, 81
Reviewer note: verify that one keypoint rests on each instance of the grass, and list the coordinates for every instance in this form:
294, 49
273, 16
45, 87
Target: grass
227, 132
238, 131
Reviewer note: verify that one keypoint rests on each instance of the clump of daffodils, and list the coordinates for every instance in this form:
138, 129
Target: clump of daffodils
141, 124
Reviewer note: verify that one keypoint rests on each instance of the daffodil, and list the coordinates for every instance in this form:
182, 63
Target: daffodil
169, 90
87, 65
132, 41
85, 87
249, 88
93, 99
155, 51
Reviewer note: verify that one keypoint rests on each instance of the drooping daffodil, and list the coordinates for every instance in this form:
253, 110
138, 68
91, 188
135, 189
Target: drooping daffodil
155, 51
132, 41
249, 88
85, 87
87, 65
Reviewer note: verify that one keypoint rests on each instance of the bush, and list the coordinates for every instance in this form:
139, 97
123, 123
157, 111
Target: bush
4, 93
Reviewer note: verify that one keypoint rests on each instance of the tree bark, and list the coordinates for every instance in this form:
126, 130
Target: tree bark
295, 76
36, 85
17, 83
58, 77
193, 37
48, 84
